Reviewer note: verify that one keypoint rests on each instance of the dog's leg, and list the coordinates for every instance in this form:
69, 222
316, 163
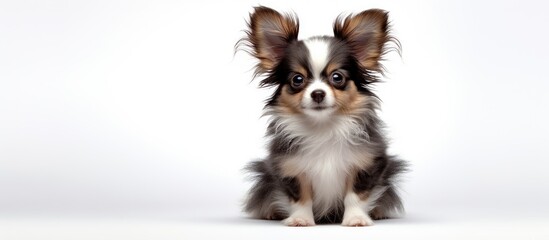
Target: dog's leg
355, 211
301, 204
359, 200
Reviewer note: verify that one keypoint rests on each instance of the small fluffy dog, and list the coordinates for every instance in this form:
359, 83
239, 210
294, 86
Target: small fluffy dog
327, 158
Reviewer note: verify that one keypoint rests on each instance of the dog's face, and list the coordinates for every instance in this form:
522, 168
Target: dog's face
321, 76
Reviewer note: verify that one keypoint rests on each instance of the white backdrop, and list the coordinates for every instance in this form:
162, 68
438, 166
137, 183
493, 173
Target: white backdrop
134, 107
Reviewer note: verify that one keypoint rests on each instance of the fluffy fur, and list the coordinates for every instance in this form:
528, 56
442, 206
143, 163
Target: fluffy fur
328, 158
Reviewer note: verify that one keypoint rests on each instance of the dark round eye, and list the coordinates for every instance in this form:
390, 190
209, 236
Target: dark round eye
337, 79
297, 81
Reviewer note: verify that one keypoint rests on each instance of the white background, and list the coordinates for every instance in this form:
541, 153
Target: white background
131, 119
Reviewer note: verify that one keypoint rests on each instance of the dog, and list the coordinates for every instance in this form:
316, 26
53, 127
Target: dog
327, 154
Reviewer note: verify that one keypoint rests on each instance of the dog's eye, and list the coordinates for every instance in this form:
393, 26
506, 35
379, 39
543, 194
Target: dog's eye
297, 81
337, 79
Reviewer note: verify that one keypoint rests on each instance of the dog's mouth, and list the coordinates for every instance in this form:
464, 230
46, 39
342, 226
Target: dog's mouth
319, 108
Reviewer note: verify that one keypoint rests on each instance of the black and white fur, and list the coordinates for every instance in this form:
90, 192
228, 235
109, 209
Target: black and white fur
327, 158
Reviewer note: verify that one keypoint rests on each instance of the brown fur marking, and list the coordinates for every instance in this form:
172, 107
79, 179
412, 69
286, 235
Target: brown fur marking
290, 103
349, 100
305, 188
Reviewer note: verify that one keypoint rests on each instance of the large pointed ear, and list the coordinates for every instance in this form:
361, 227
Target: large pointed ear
269, 35
366, 33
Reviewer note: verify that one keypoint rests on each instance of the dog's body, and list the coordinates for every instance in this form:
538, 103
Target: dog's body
328, 158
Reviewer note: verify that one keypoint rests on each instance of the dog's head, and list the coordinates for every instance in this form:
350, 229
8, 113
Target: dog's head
320, 76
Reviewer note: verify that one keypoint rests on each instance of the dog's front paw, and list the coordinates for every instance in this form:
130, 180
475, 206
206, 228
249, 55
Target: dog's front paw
357, 220
299, 221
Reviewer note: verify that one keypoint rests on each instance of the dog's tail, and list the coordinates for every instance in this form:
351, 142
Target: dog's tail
389, 204
265, 199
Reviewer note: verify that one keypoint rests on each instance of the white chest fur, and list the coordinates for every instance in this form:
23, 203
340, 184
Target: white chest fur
327, 156
327, 166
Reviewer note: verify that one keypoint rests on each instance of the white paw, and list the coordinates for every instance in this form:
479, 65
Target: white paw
357, 220
298, 221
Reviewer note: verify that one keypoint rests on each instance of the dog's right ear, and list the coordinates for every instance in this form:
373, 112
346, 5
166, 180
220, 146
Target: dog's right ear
269, 35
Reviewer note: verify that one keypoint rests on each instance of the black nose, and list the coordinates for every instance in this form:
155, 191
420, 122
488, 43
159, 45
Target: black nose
318, 95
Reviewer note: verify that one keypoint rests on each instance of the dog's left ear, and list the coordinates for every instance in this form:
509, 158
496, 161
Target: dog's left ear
366, 33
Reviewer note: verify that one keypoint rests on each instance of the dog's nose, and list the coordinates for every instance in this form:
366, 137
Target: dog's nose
318, 95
